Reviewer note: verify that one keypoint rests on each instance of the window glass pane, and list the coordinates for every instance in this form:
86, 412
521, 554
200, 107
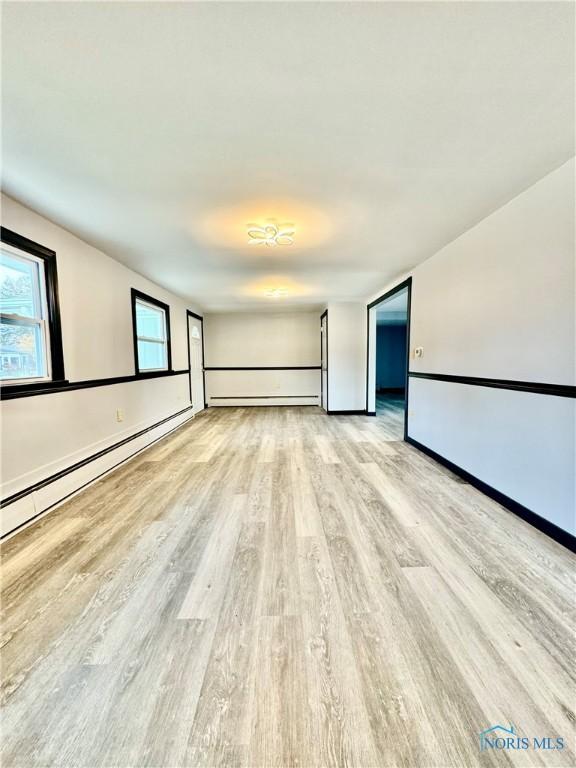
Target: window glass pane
150, 321
21, 351
19, 286
151, 355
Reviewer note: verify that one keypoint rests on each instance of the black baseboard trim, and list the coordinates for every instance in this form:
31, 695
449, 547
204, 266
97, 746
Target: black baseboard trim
551, 530
10, 392
370, 413
391, 391
538, 388
347, 413
73, 467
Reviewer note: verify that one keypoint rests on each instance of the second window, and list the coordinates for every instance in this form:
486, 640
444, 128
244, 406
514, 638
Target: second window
151, 333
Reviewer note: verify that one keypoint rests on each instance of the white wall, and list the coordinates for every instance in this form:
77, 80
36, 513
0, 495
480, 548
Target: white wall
520, 443
262, 340
499, 302
44, 434
346, 356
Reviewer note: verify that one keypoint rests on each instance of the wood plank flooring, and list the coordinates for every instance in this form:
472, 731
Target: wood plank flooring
275, 587
390, 415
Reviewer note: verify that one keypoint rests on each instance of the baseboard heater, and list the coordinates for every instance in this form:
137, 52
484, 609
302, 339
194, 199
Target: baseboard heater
28, 506
267, 397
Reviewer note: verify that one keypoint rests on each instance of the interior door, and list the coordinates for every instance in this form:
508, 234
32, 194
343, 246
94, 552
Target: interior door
196, 363
324, 361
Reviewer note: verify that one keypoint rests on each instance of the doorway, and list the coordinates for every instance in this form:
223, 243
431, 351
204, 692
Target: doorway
324, 360
388, 354
196, 361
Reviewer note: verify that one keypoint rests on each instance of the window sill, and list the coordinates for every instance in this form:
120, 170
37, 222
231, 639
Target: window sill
154, 373
21, 390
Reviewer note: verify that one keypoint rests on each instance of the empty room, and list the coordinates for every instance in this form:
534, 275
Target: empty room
288, 379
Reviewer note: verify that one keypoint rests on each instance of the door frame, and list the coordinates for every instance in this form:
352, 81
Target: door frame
190, 314
326, 410
405, 284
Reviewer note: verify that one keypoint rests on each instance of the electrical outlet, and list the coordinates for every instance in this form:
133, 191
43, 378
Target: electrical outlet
119, 414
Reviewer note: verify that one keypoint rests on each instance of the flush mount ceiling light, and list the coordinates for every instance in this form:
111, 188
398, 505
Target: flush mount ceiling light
276, 293
271, 234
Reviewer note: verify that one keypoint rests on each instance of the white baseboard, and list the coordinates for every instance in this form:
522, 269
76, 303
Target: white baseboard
215, 402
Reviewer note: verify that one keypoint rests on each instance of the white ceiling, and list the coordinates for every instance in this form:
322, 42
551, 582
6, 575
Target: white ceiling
157, 131
393, 311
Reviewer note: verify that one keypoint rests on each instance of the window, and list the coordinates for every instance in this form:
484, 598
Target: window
30, 337
151, 320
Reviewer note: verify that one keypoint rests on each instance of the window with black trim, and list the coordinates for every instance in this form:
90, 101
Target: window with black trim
151, 328
30, 330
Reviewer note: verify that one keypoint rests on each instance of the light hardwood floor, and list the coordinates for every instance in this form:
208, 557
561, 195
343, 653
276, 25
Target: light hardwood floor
390, 415
276, 587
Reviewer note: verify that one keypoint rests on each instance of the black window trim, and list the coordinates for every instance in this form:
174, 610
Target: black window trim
48, 257
136, 294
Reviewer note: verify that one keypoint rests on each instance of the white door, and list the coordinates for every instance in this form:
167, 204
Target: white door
196, 363
324, 357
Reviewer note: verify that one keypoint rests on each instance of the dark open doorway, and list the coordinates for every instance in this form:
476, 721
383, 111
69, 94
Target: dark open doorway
391, 322
388, 348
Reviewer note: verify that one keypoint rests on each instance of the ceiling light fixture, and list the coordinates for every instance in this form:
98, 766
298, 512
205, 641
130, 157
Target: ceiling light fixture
276, 293
271, 234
